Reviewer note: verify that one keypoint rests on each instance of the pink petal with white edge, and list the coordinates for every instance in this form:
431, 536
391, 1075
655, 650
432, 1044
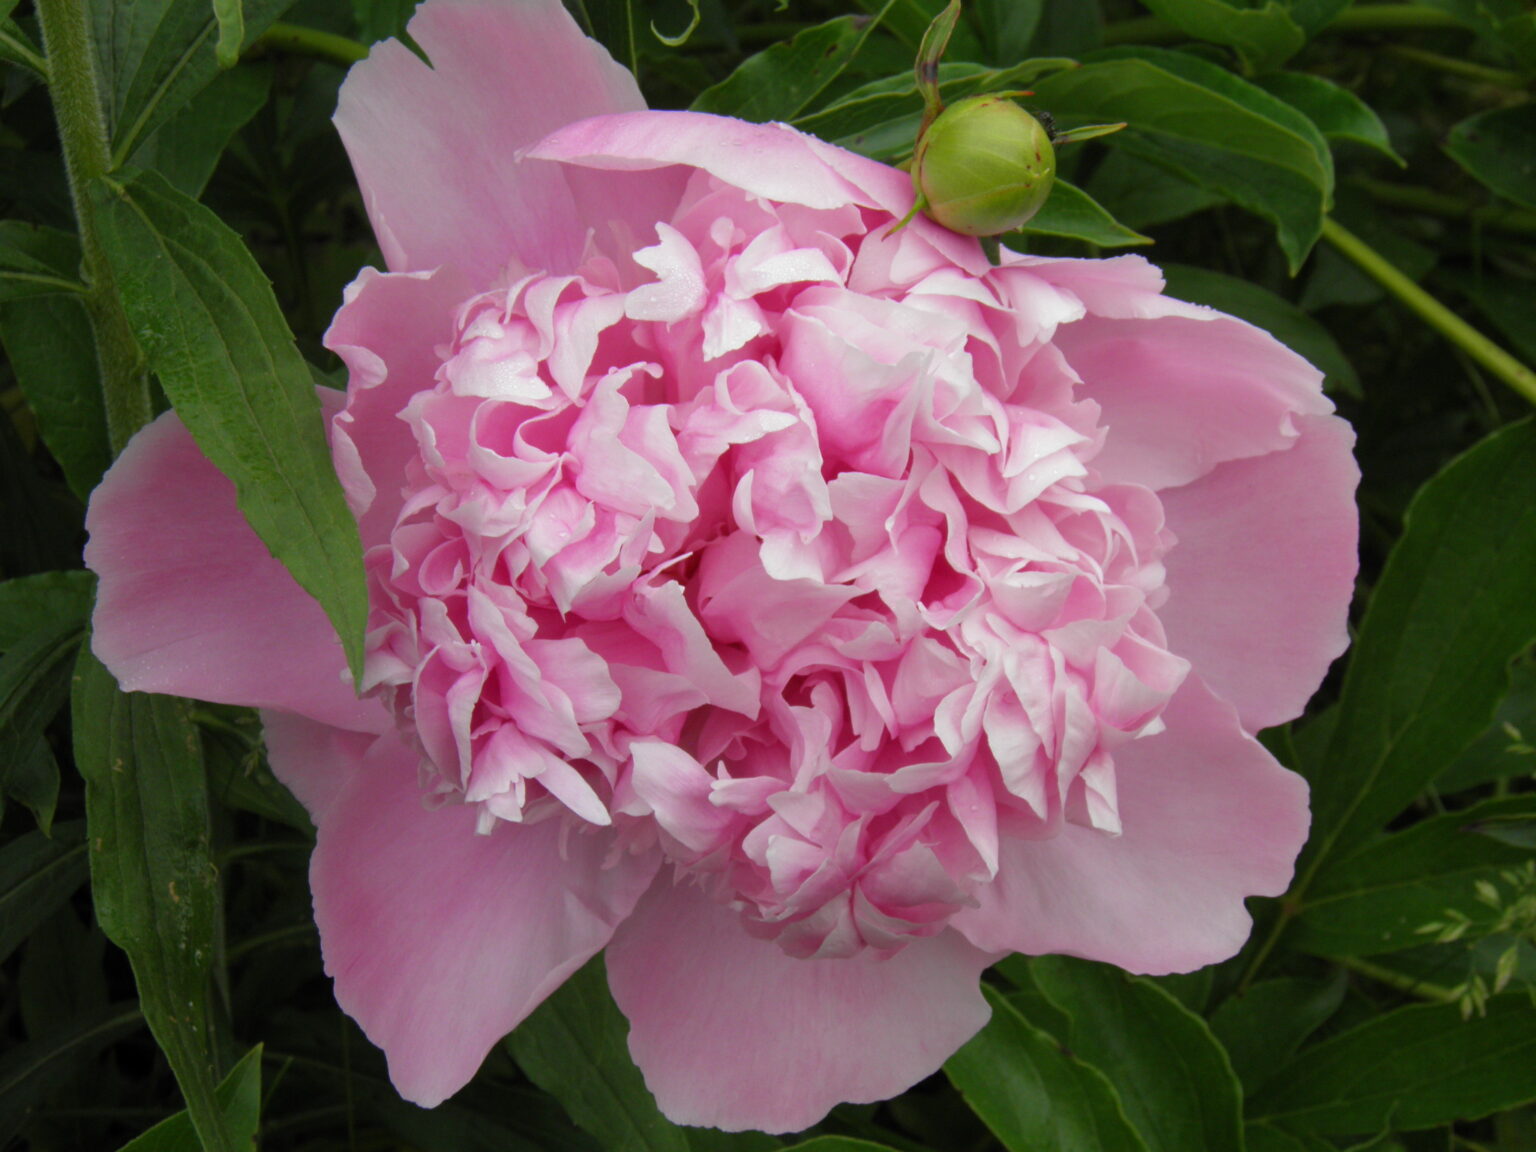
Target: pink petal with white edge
1210, 817
1264, 569
440, 940
189, 600
435, 149
1185, 388
731, 1032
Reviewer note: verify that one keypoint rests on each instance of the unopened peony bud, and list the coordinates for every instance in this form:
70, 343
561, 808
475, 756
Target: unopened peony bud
984, 166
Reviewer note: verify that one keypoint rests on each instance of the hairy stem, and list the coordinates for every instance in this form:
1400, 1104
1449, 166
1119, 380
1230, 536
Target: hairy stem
87, 157
1481, 349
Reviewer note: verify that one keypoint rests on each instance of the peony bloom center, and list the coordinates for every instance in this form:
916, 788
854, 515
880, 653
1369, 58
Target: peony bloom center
803, 577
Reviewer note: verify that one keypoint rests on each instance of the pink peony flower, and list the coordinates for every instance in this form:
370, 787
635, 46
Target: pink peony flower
807, 615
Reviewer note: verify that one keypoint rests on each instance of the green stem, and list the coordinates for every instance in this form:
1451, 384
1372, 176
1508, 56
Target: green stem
1365, 18
87, 157
1455, 66
1433, 203
1481, 349
296, 40
1392, 978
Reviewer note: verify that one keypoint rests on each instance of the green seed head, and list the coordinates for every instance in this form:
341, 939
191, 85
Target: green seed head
985, 166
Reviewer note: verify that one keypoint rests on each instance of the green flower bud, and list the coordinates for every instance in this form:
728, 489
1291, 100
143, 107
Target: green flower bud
983, 167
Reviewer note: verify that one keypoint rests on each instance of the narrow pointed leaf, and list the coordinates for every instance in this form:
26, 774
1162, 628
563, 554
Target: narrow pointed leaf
1072, 213
239, 1098
153, 881
37, 874
1338, 113
1263, 35
34, 684
213, 333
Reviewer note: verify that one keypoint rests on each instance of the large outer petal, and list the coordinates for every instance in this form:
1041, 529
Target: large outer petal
440, 940
732, 1033
1264, 569
190, 602
1210, 817
1183, 388
435, 149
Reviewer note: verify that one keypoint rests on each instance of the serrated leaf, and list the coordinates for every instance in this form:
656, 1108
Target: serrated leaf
787, 79
1414, 1068
153, 56
37, 874
1377, 900
1338, 113
1430, 662
1172, 1076
207, 320
239, 1099
1072, 213
1279, 317
37, 261
1209, 126
1498, 149
153, 880
1263, 1027
1033, 1094
575, 1047
1262, 36
52, 350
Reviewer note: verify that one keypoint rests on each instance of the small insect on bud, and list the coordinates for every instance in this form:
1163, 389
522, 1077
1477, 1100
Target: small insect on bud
984, 166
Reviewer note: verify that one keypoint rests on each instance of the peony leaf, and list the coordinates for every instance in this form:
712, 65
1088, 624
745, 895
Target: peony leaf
1430, 663
1338, 113
207, 320
37, 874
838, 1144
153, 881
1172, 1076
1033, 1094
1266, 1024
575, 1046
1498, 149
1209, 126
1072, 213
52, 597
1262, 36
1507, 747
1414, 1068
784, 81
1378, 899
37, 261
239, 1097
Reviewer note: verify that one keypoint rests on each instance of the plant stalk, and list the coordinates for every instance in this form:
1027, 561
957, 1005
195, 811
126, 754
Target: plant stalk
1481, 349
296, 40
1361, 18
87, 156
1392, 978
1455, 66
